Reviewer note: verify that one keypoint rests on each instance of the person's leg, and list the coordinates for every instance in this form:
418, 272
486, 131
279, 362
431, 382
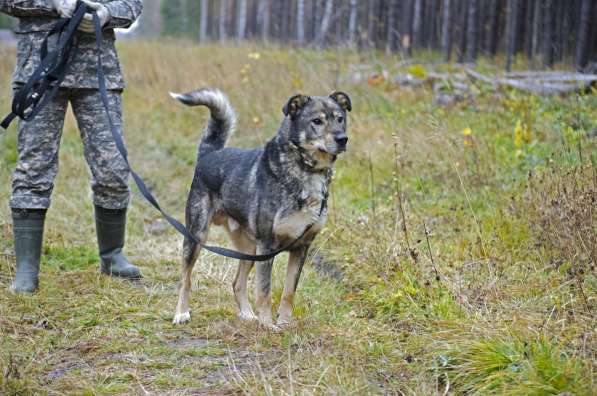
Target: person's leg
109, 177
32, 184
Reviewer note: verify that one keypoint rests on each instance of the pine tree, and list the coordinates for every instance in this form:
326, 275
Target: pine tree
446, 31
472, 32
582, 44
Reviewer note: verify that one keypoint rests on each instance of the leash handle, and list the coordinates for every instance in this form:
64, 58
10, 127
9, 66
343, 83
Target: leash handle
45, 81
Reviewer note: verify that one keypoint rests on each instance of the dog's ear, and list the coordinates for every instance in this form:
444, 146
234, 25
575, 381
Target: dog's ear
342, 99
295, 104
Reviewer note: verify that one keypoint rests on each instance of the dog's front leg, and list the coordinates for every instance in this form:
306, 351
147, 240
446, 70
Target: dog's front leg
296, 261
263, 286
239, 286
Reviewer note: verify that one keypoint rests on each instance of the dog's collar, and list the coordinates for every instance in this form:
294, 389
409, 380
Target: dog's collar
306, 162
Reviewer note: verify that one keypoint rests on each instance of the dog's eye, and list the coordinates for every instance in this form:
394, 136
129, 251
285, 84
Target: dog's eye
340, 120
317, 121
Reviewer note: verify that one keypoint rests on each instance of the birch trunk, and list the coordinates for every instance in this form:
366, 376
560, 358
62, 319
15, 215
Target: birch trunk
223, 20
325, 22
352, 22
263, 18
446, 31
300, 21
241, 20
582, 43
203, 21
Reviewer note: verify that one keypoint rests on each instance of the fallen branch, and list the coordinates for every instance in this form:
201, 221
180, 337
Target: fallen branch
536, 87
553, 76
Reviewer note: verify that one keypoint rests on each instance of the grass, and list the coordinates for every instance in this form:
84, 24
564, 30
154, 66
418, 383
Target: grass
459, 257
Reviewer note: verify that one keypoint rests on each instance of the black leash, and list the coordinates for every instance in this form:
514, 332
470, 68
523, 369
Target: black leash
43, 85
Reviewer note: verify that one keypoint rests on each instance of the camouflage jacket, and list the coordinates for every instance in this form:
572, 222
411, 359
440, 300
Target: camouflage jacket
36, 18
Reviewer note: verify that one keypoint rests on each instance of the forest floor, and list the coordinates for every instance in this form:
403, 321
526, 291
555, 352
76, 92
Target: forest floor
459, 257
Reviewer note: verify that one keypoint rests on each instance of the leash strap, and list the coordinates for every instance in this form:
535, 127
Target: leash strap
43, 85
45, 81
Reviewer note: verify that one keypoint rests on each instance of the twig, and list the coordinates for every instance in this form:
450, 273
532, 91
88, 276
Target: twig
401, 205
447, 385
579, 131
579, 281
372, 182
437, 278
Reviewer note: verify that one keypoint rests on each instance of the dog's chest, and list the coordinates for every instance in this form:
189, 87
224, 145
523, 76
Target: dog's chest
312, 211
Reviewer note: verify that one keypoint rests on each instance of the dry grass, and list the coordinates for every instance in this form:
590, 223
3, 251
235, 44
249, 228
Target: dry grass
511, 313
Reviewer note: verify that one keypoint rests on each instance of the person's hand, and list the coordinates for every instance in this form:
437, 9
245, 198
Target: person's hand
103, 14
65, 8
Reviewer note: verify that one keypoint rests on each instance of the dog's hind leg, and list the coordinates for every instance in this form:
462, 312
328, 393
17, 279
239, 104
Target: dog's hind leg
241, 294
296, 260
198, 220
190, 255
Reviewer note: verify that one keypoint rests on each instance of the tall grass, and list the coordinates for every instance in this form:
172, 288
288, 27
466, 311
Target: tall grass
465, 237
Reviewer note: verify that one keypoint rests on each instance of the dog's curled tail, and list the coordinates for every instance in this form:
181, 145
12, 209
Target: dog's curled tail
223, 118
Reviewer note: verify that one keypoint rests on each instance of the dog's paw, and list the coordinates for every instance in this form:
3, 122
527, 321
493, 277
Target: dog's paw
270, 326
248, 316
181, 318
283, 323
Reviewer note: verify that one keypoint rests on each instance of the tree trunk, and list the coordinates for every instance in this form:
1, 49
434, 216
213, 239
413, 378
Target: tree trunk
300, 21
371, 22
558, 34
463, 30
418, 23
592, 52
223, 20
241, 20
325, 22
252, 20
529, 25
472, 32
537, 15
548, 33
446, 31
431, 8
352, 22
203, 21
263, 18
285, 20
582, 43
314, 22
511, 29
494, 27
391, 27
482, 23
407, 27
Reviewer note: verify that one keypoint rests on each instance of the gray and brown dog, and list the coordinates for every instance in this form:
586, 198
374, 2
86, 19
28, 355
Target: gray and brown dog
266, 198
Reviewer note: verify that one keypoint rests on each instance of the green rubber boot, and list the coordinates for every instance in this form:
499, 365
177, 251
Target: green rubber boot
28, 231
111, 226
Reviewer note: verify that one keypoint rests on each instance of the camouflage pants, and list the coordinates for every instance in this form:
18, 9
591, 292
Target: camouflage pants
39, 142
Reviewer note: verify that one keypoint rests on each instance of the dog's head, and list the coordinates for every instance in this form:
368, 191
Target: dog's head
318, 126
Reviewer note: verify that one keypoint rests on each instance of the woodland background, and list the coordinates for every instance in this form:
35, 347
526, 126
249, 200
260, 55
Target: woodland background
547, 31
460, 253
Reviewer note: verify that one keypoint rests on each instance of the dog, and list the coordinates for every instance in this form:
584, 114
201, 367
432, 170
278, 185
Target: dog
266, 198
